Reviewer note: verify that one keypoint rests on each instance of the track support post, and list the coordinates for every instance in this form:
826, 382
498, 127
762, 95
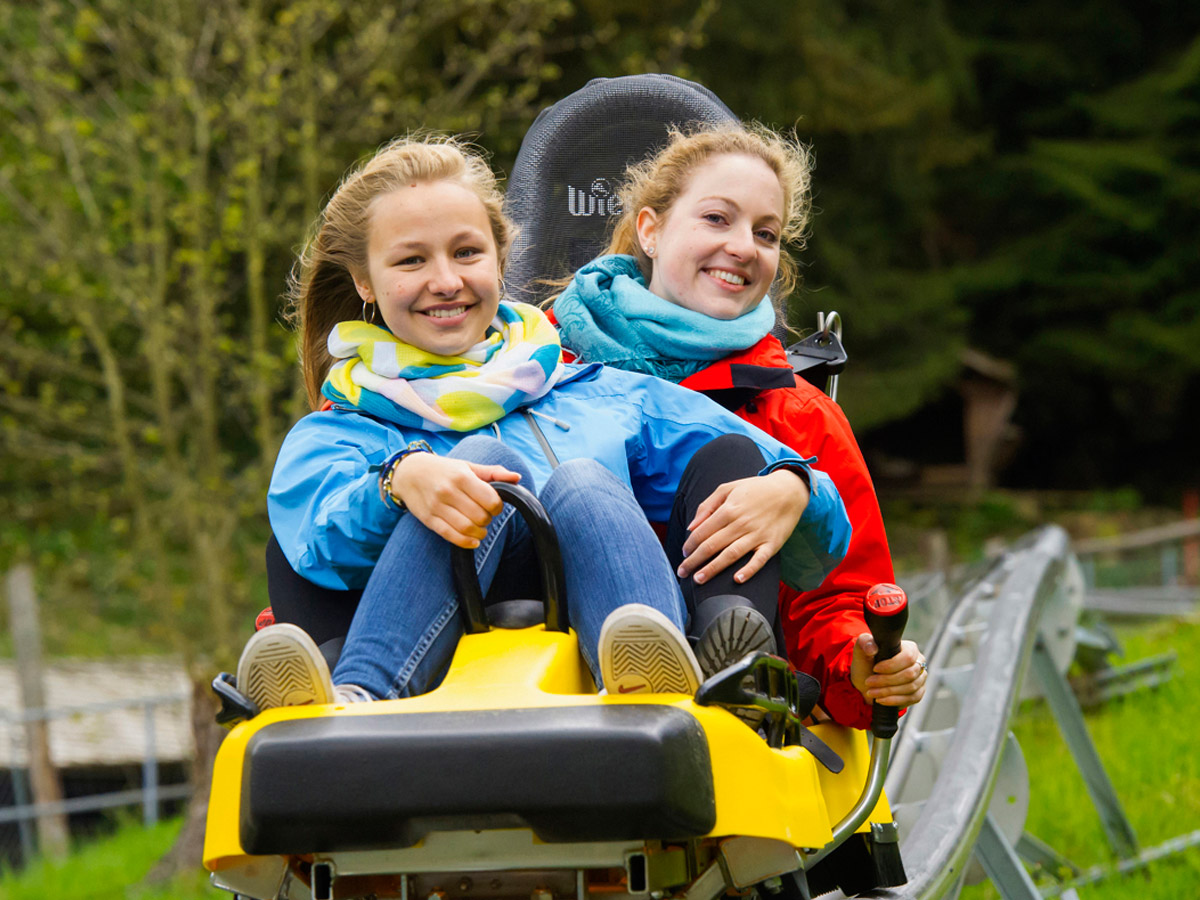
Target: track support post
1002, 864
1070, 721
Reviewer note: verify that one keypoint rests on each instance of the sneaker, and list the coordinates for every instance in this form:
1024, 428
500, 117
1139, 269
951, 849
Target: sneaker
730, 629
642, 652
281, 666
351, 693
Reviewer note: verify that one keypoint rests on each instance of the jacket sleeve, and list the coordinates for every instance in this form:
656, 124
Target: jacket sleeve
821, 537
324, 502
676, 422
821, 624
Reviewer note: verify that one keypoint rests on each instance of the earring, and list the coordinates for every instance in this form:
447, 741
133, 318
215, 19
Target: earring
370, 321
649, 251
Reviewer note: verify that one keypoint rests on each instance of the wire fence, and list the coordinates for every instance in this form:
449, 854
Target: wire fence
103, 763
1150, 572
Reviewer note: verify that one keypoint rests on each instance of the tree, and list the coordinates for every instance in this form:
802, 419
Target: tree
161, 165
1075, 240
874, 88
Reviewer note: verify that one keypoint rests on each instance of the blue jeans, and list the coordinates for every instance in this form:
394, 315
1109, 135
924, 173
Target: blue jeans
408, 624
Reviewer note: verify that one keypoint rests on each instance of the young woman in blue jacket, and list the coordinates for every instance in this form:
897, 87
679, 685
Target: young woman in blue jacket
427, 388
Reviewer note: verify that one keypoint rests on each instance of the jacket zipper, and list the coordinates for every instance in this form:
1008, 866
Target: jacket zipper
541, 438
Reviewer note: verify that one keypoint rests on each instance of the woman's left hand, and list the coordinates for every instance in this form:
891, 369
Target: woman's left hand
899, 681
751, 515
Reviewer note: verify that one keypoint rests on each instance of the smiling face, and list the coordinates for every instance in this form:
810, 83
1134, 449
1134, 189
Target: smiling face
716, 250
432, 266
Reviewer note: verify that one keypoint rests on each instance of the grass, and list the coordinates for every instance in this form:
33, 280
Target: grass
108, 869
1146, 744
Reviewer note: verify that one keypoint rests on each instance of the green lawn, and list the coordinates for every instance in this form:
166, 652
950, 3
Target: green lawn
109, 869
1146, 743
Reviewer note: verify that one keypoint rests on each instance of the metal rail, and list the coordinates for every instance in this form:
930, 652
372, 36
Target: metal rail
1010, 601
995, 625
1015, 618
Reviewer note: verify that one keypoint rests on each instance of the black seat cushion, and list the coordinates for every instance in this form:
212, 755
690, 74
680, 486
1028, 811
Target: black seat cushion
516, 613
587, 773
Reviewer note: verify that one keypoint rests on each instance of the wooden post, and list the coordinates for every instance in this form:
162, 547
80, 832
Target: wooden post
43, 777
1191, 546
989, 400
936, 548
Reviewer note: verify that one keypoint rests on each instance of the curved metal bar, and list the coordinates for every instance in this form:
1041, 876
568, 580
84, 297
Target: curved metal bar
939, 845
938, 651
550, 565
827, 323
830, 321
876, 770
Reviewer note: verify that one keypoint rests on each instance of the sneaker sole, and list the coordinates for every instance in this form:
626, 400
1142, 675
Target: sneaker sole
642, 652
281, 666
731, 636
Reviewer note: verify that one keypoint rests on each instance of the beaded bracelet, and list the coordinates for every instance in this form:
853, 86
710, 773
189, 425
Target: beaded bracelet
389, 469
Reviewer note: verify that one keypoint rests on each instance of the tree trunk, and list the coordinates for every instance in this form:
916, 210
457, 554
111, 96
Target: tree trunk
186, 853
53, 839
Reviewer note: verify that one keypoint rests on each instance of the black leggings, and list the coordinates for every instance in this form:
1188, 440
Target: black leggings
325, 613
727, 458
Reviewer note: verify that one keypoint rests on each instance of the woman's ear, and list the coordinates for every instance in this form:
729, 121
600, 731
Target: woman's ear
364, 289
647, 229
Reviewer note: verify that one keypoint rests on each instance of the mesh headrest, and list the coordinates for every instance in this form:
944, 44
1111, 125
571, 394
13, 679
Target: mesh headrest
562, 189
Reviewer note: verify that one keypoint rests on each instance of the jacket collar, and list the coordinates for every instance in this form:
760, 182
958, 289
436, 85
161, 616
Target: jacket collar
759, 368
740, 377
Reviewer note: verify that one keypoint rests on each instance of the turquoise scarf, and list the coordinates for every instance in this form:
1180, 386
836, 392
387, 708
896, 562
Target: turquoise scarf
607, 315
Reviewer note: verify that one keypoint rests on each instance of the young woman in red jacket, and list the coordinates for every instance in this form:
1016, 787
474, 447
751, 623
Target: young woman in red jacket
682, 293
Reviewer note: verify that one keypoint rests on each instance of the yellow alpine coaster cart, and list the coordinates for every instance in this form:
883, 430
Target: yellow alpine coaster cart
515, 779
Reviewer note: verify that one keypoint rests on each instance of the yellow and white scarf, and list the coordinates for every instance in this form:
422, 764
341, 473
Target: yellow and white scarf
517, 363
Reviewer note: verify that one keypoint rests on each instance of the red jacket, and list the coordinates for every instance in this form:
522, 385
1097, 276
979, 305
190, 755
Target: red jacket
820, 626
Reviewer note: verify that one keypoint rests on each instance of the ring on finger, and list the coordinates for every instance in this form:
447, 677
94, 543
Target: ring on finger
923, 664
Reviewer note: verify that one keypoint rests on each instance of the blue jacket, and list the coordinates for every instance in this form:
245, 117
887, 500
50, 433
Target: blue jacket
328, 517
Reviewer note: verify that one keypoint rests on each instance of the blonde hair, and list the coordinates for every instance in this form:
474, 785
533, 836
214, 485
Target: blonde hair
321, 291
658, 181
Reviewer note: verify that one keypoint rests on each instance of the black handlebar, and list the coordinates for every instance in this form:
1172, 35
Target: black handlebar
550, 565
886, 610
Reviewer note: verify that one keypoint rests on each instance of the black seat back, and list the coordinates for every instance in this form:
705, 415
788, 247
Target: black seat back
562, 189
325, 613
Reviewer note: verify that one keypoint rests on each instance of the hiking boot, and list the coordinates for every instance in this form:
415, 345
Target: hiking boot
730, 629
642, 652
282, 666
